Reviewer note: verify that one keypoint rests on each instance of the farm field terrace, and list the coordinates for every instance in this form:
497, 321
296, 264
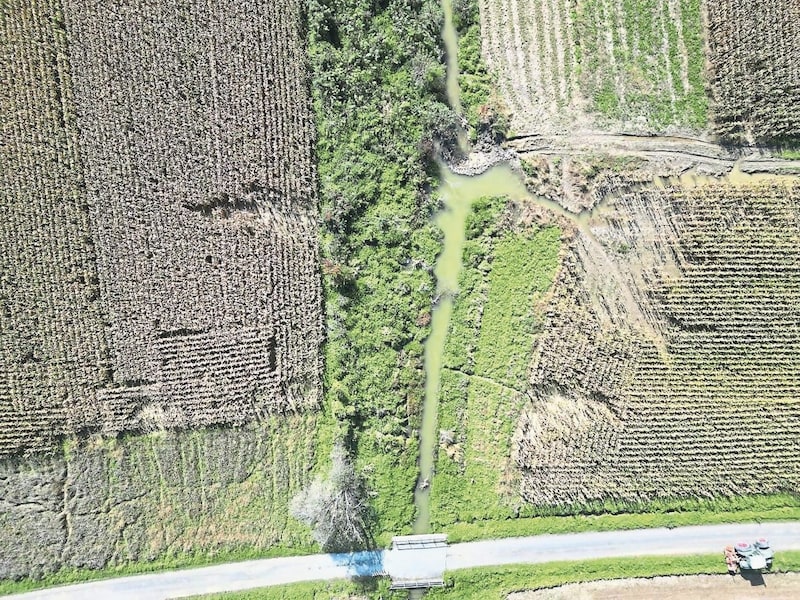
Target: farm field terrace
193, 257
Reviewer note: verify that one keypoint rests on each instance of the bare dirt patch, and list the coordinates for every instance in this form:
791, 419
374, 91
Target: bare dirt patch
777, 586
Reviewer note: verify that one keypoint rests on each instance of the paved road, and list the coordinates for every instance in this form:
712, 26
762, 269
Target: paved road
536, 549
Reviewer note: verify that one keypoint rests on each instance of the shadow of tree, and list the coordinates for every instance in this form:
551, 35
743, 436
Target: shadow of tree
365, 564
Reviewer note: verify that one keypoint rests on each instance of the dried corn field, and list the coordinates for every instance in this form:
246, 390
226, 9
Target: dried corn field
159, 247
578, 64
705, 400
754, 50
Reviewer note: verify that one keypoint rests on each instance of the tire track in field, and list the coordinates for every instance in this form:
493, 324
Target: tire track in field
522, 85
602, 18
662, 24
533, 72
675, 14
569, 33
558, 36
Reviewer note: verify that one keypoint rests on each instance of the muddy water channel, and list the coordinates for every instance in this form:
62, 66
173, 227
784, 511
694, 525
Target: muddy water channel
457, 192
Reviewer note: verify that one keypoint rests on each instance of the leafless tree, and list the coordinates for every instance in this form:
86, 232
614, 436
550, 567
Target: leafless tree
336, 508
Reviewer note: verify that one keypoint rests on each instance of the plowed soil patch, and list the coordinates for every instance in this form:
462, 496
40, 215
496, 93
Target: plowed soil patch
784, 586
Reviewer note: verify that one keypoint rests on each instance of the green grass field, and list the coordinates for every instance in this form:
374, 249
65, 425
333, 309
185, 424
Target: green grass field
495, 318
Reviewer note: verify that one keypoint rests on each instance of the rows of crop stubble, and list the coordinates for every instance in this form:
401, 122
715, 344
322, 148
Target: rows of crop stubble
754, 51
159, 272
162, 251
52, 347
714, 413
564, 65
198, 159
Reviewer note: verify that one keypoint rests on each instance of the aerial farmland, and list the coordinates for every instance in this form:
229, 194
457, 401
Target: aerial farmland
298, 277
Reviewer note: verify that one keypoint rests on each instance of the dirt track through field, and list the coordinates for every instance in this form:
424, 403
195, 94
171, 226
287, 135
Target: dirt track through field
696, 152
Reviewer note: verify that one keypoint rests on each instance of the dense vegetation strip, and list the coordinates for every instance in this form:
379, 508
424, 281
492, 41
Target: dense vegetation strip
378, 87
483, 108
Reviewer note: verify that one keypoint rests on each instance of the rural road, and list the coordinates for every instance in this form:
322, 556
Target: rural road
537, 549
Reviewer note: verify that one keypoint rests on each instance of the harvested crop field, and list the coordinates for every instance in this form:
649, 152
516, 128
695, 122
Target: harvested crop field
52, 339
160, 274
778, 586
754, 51
160, 247
595, 63
693, 394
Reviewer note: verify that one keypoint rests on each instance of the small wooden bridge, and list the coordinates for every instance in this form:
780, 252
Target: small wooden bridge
422, 568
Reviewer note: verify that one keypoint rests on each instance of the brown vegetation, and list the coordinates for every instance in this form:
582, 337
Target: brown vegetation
754, 50
629, 411
160, 253
52, 343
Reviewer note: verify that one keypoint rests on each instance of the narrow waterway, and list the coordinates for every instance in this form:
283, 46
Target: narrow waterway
457, 192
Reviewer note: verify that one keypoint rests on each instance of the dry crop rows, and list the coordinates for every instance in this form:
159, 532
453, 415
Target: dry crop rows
186, 227
637, 63
715, 268
51, 333
755, 54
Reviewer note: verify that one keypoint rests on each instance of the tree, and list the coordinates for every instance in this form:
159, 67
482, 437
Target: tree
335, 508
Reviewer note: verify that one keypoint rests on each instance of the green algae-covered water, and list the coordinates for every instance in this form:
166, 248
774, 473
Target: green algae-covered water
457, 192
